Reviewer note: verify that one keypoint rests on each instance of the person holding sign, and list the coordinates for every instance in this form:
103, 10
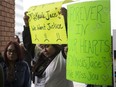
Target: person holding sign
64, 13
27, 37
50, 69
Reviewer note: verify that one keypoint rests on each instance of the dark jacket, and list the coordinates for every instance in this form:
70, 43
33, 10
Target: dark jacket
1, 77
27, 41
21, 75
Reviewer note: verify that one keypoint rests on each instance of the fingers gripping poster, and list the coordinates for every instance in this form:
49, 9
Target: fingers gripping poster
47, 24
89, 43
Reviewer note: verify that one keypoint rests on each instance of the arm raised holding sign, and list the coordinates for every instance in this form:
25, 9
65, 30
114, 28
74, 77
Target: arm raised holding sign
27, 36
26, 18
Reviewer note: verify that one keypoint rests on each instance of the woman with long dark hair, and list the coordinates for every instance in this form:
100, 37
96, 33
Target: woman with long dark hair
16, 71
50, 68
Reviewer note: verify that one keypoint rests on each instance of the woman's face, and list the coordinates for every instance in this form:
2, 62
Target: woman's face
11, 53
49, 50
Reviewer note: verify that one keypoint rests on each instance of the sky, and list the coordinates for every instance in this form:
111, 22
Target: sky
29, 3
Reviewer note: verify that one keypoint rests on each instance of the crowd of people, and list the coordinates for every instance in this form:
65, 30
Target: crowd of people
44, 64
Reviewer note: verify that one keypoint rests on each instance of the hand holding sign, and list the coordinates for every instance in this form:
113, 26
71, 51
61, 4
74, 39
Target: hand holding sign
26, 19
46, 21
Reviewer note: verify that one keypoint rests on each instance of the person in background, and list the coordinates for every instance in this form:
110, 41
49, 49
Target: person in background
16, 71
27, 57
16, 38
38, 50
66, 50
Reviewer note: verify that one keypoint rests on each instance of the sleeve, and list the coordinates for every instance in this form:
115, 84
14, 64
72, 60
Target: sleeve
27, 41
27, 81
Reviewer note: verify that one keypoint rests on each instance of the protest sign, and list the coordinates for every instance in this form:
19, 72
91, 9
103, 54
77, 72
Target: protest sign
47, 24
89, 43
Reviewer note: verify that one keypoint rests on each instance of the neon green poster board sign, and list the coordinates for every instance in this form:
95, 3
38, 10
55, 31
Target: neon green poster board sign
89, 43
47, 24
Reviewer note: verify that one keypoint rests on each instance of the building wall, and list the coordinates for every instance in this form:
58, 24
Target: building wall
19, 14
7, 23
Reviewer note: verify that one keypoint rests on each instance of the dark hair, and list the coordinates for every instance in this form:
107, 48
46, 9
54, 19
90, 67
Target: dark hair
56, 46
18, 50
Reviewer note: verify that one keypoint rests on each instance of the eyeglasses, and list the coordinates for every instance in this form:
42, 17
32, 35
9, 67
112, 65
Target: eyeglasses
11, 51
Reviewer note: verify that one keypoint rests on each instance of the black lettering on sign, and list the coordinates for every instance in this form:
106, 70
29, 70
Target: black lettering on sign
41, 27
37, 16
47, 15
54, 26
52, 15
38, 27
33, 28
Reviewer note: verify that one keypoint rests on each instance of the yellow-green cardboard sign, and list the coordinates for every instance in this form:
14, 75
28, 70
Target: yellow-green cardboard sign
47, 24
89, 43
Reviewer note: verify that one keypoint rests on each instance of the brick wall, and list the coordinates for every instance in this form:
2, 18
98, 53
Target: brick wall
7, 22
